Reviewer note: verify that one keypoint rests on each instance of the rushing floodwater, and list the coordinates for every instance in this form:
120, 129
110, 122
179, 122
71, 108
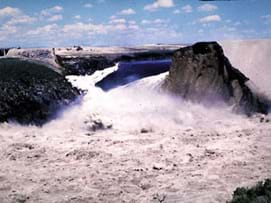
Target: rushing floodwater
190, 153
128, 72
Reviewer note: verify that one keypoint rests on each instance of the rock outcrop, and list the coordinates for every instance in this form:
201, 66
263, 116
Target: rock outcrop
87, 65
202, 73
44, 56
31, 93
87, 60
83, 65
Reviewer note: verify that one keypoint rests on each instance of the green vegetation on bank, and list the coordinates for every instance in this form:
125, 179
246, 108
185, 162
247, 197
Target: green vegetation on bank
260, 193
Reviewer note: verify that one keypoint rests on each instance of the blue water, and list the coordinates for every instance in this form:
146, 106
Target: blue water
131, 71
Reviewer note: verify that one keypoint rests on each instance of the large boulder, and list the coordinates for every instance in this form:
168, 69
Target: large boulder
31, 93
202, 73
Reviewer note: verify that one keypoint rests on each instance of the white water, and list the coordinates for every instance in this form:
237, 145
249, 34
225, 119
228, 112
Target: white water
253, 58
213, 150
141, 104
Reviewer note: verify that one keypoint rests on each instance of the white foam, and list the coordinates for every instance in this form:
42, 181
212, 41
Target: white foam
251, 57
140, 104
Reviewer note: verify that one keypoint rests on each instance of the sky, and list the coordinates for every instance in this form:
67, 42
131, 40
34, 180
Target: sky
59, 23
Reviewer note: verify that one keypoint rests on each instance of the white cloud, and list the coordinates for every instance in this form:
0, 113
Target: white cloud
121, 32
88, 28
57, 8
176, 11
207, 7
8, 29
113, 17
117, 21
44, 29
21, 19
153, 22
209, 19
128, 11
88, 5
160, 21
15, 16
133, 27
159, 4
55, 18
231, 29
237, 23
165, 3
80, 27
115, 25
267, 19
228, 21
12, 27
266, 16
117, 30
77, 17
248, 31
118, 27
51, 11
9, 11
132, 22
144, 22
187, 9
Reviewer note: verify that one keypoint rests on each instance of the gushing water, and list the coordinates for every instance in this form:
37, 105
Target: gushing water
142, 104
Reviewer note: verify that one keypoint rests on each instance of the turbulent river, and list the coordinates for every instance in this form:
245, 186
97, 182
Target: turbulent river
152, 145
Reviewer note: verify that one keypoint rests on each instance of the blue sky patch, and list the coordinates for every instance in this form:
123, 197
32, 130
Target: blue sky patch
43, 23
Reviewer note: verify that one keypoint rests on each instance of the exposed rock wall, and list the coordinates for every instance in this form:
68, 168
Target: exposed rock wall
83, 65
77, 65
202, 73
74, 61
44, 56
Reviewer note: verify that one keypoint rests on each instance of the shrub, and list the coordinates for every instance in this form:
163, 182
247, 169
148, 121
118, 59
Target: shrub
260, 193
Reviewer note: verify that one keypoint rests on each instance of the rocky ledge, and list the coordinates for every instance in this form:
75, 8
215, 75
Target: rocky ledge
86, 60
31, 93
202, 73
82, 65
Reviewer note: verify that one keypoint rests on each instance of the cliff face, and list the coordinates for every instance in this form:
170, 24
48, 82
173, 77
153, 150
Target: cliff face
83, 65
87, 65
85, 61
202, 73
42, 56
